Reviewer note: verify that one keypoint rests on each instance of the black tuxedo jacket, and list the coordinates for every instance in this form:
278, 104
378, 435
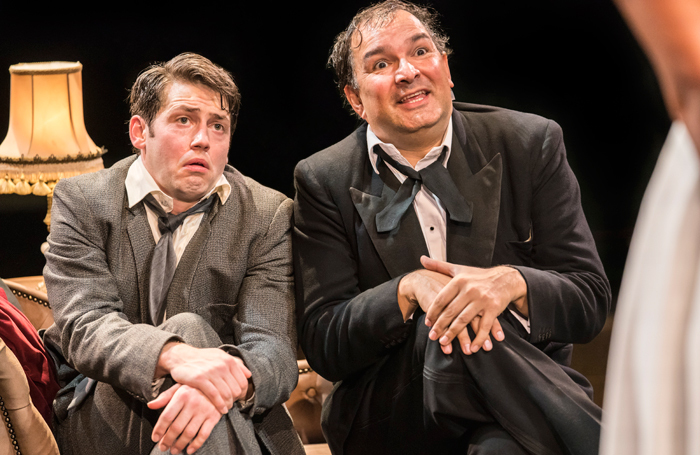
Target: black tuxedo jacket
511, 167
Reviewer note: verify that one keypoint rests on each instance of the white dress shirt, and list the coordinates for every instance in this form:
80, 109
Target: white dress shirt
140, 183
431, 214
652, 389
429, 210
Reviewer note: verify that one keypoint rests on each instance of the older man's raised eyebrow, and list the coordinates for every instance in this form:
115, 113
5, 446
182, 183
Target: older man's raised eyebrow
372, 52
220, 117
419, 36
379, 50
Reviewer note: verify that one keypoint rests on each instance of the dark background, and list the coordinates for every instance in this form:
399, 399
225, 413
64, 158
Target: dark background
573, 61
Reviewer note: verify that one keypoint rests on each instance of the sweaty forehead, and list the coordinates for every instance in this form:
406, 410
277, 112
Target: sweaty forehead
189, 96
401, 25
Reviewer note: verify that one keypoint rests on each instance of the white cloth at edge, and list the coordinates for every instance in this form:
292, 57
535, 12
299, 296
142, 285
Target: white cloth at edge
652, 393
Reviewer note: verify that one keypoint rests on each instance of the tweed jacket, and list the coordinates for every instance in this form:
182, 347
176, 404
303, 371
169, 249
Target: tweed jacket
236, 273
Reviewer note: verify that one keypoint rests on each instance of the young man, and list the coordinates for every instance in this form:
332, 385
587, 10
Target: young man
175, 333
443, 261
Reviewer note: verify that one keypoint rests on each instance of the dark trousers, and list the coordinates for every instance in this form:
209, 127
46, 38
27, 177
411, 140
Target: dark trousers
513, 399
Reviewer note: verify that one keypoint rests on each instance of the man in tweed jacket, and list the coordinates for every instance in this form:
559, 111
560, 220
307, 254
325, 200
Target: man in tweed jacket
212, 375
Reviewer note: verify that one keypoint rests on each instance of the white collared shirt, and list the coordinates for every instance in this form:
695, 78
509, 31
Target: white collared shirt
429, 210
139, 183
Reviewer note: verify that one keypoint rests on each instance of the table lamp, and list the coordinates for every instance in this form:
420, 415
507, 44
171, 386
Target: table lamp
46, 138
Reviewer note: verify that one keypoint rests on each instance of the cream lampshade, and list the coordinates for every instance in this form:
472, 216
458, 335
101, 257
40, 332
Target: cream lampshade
46, 139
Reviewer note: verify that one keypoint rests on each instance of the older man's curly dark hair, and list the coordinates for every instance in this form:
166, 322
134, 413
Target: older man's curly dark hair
377, 16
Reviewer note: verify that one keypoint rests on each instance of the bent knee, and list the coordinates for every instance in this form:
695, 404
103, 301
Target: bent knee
492, 439
193, 329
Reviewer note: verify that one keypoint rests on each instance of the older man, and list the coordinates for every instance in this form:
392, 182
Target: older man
170, 279
443, 261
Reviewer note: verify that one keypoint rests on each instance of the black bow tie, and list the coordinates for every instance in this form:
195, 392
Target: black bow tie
436, 178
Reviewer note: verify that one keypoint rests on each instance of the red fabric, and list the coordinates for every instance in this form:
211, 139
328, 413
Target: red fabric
23, 340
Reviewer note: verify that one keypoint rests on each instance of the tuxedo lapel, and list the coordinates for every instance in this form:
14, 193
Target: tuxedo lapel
142, 245
400, 249
473, 243
467, 243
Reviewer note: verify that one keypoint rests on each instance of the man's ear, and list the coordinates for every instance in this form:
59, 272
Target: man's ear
355, 101
138, 130
447, 65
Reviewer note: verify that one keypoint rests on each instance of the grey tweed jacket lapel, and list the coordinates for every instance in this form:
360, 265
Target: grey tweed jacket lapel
181, 286
142, 245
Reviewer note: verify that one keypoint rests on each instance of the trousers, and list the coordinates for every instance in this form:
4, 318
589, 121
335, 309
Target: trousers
111, 421
513, 399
